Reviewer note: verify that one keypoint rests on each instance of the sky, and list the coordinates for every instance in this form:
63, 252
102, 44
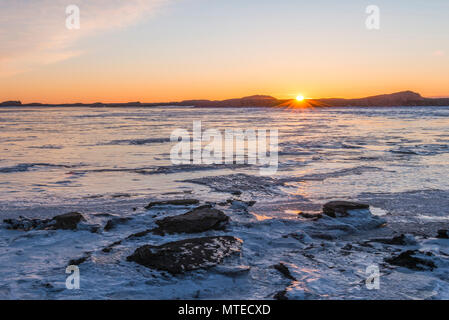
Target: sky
171, 50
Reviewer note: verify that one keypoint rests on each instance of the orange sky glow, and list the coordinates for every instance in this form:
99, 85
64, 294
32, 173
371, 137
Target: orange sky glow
164, 50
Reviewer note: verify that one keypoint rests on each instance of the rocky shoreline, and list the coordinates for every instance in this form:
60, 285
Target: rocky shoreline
338, 218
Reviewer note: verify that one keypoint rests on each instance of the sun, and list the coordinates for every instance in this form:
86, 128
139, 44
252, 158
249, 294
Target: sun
300, 98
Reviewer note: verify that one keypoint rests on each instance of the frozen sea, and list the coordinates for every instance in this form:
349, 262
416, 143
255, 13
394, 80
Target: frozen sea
111, 162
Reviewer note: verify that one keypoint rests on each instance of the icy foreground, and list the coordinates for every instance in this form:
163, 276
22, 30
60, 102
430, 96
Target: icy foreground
231, 233
316, 256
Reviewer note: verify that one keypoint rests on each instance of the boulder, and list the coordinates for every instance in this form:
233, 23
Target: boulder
200, 219
187, 255
408, 259
340, 208
176, 202
112, 223
67, 221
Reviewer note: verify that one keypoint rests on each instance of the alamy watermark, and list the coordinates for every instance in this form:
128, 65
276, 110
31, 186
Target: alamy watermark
372, 22
73, 280
372, 282
230, 146
73, 18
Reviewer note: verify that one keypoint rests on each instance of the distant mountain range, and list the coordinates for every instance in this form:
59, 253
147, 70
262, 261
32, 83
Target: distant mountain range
404, 98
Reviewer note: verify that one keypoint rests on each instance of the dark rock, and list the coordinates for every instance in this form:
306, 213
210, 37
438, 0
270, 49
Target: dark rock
48, 285
281, 295
408, 260
178, 202
24, 224
340, 208
77, 262
313, 216
68, 221
443, 234
401, 240
111, 246
187, 255
282, 268
200, 219
140, 234
112, 223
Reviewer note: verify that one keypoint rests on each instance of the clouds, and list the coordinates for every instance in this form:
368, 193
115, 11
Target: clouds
33, 32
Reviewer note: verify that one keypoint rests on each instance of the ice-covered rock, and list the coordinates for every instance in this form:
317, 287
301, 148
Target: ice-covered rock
67, 221
340, 208
175, 202
113, 222
402, 240
412, 259
241, 205
200, 219
187, 255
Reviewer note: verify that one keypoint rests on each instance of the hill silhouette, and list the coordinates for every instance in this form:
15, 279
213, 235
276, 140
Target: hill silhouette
403, 98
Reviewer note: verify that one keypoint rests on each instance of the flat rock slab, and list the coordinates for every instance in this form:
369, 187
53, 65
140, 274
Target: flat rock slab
176, 202
340, 208
67, 221
187, 255
410, 259
200, 219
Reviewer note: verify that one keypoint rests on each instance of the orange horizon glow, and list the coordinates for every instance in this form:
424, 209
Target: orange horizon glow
53, 93
161, 51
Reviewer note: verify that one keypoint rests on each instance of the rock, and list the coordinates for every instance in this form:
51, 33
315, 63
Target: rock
408, 260
241, 205
111, 246
68, 221
112, 223
312, 216
281, 295
340, 208
282, 268
443, 234
301, 236
77, 262
402, 240
200, 219
187, 255
24, 224
178, 202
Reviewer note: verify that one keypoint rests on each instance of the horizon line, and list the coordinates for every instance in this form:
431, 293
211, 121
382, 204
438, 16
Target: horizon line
215, 100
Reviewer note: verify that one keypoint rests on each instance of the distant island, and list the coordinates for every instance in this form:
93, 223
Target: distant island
404, 98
